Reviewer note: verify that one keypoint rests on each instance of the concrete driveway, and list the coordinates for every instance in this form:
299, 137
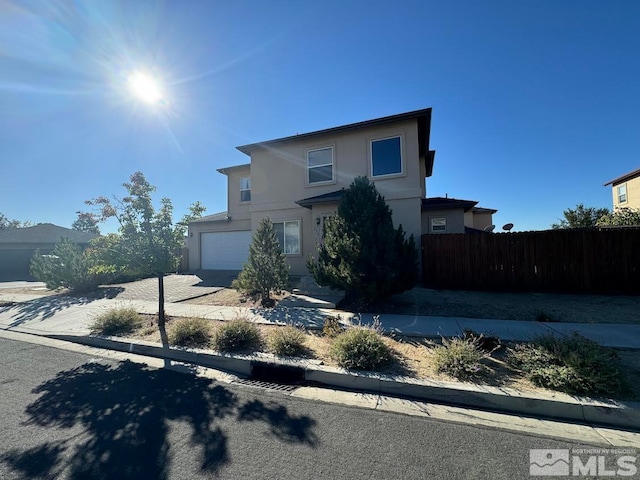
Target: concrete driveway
177, 287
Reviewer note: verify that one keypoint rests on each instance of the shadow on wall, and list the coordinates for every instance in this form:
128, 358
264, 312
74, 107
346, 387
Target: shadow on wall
125, 412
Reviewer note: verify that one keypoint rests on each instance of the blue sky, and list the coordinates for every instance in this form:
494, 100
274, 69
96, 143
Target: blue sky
535, 103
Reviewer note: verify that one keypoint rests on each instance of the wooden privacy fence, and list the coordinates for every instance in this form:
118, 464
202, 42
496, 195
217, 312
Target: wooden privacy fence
577, 261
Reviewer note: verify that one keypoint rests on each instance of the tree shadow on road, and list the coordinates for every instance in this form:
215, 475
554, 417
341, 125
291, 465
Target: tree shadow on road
125, 413
46, 307
282, 425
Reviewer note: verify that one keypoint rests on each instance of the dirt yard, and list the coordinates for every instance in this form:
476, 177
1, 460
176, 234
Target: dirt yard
415, 358
501, 306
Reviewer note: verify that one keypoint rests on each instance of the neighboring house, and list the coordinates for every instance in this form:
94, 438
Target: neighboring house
626, 190
18, 245
297, 181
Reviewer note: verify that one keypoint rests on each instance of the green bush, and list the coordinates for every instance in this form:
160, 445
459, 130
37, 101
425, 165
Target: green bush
571, 364
236, 335
191, 332
116, 321
362, 252
360, 349
331, 326
459, 357
287, 341
66, 267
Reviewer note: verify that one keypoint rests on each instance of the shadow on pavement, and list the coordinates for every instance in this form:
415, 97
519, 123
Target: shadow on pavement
299, 316
215, 278
46, 307
283, 426
125, 413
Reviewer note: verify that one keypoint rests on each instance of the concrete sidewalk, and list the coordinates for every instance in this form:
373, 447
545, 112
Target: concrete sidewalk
73, 315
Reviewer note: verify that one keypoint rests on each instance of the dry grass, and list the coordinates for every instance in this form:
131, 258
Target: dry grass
228, 297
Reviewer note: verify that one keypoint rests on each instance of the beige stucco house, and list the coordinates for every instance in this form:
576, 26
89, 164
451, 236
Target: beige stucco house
626, 190
297, 181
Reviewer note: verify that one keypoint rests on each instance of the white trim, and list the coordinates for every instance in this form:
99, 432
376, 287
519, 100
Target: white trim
284, 229
245, 189
626, 193
333, 166
442, 221
401, 173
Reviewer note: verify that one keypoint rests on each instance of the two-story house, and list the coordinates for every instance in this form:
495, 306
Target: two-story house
626, 190
297, 181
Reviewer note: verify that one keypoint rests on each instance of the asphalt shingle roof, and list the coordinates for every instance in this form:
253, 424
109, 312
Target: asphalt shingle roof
44, 233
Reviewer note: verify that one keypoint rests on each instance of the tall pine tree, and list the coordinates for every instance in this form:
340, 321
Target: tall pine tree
362, 252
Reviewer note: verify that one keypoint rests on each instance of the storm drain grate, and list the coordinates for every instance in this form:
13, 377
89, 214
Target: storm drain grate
268, 385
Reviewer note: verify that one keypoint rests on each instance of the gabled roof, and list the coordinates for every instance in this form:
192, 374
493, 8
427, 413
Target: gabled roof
330, 197
623, 178
216, 217
422, 116
441, 203
44, 233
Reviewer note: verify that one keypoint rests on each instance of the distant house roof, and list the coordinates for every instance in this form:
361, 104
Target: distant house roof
216, 217
484, 210
438, 203
44, 233
624, 178
424, 130
330, 197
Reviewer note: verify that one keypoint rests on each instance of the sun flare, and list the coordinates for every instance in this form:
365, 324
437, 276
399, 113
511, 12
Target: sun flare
145, 88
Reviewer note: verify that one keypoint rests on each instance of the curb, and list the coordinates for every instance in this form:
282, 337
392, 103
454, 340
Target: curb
625, 415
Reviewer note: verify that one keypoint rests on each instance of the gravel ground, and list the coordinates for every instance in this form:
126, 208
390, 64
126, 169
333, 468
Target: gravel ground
501, 306
517, 306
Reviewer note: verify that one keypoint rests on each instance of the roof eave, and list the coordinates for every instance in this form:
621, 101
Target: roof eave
623, 178
423, 116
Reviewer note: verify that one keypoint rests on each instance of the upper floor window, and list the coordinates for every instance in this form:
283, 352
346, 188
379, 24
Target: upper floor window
320, 165
622, 193
288, 234
245, 189
386, 156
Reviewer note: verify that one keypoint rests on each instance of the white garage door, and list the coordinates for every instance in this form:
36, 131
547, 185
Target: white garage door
224, 250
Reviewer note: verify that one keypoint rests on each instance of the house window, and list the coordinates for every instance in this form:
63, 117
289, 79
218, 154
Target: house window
622, 193
245, 189
386, 156
288, 234
320, 165
438, 224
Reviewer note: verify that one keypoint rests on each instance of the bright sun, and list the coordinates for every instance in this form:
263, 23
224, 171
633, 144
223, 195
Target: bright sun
145, 88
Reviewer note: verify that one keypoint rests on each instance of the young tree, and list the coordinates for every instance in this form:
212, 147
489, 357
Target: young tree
580, 217
620, 217
149, 241
266, 270
86, 223
362, 252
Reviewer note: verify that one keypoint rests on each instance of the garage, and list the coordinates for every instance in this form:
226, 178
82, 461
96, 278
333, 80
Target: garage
224, 250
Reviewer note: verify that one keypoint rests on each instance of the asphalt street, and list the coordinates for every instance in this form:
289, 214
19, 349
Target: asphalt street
66, 415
